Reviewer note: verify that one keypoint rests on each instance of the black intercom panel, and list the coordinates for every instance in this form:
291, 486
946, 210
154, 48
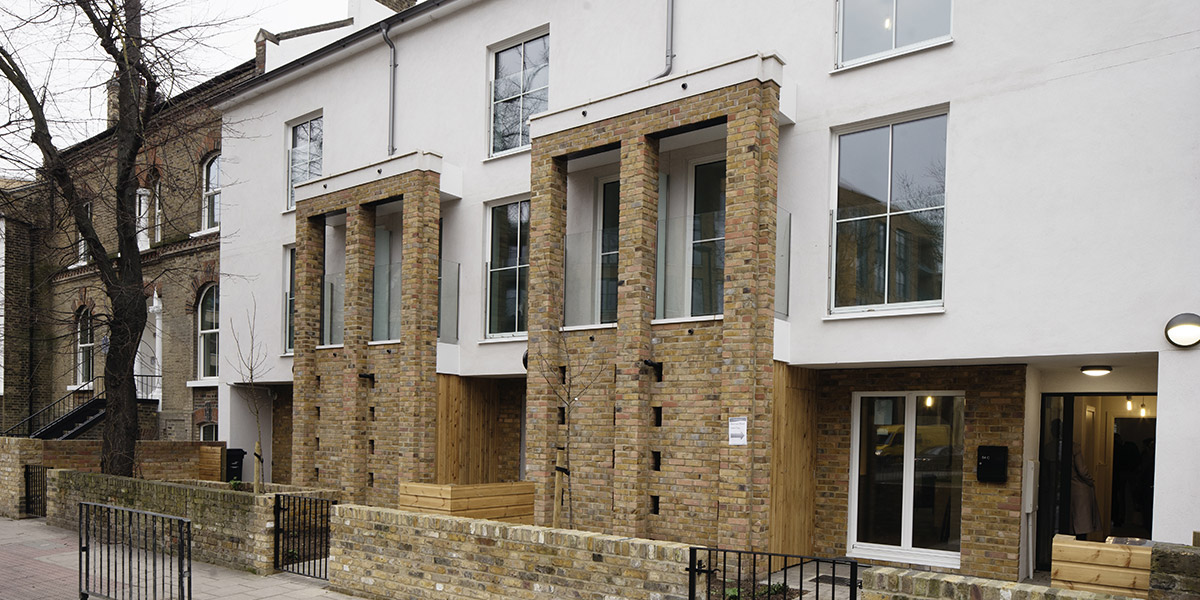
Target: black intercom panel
993, 464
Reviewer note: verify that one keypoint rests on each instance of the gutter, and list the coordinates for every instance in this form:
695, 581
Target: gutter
670, 41
408, 14
383, 29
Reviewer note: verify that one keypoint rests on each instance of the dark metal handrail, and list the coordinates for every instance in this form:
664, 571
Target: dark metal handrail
57, 409
715, 573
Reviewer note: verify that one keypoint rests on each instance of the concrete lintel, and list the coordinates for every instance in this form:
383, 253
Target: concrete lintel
417, 160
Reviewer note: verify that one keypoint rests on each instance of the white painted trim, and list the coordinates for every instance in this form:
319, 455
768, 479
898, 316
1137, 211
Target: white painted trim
675, 320
933, 558
588, 327
504, 340
383, 342
876, 311
508, 153
80, 387
889, 55
204, 383
329, 346
204, 232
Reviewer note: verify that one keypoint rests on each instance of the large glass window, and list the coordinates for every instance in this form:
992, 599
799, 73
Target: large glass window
210, 211
708, 239
610, 214
85, 346
520, 88
289, 301
907, 474
508, 269
304, 155
874, 28
386, 295
333, 287
208, 324
890, 216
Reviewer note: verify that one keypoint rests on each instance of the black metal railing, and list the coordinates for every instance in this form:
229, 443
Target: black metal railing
717, 574
35, 490
132, 554
302, 535
79, 395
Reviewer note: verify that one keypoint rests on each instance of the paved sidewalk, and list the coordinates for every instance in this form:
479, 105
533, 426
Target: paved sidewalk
38, 562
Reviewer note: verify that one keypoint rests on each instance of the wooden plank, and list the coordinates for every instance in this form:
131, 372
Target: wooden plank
1101, 575
496, 513
793, 487
210, 463
425, 489
1095, 553
1103, 589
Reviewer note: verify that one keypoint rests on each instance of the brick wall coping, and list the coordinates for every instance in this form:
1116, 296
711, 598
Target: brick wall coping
416, 160
267, 488
760, 67
891, 583
526, 534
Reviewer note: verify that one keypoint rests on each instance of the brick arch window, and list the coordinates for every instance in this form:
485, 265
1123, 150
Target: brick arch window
207, 322
210, 206
85, 346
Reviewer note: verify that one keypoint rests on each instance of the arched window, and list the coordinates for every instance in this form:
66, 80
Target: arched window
85, 345
208, 318
208, 432
210, 212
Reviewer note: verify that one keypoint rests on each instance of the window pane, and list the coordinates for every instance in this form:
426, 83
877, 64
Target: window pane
880, 470
708, 273
506, 125
208, 344
209, 318
508, 64
532, 104
863, 173
610, 226
316, 130
608, 288
300, 135
919, 164
859, 261
916, 262
920, 20
522, 299
708, 220
212, 175
866, 28
505, 225
537, 63
937, 489
523, 236
502, 301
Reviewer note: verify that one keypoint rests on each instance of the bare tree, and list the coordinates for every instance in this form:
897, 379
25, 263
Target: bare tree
141, 65
249, 363
570, 380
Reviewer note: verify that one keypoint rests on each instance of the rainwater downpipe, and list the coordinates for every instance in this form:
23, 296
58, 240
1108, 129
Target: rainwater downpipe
383, 28
670, 40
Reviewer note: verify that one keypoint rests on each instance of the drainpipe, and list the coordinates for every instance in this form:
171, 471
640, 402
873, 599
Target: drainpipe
670, 40
383, 28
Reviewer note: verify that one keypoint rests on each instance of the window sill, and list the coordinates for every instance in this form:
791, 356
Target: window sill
288, 211
675, 320
80, 387
916, 556
383, 342
207, 382
508, 153
78, 265
287, 355
588, 327
524, 337
330, 346
204, 232
885, 312
881, 57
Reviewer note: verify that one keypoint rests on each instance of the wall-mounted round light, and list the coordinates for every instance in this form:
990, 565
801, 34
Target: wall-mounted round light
1096, 370
1183, 330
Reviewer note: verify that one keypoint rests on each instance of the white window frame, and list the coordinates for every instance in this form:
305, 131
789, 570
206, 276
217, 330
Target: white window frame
289, 299
80, 345
689, 226
600, 253
156, 193
207, 427
904, 553
915, 307
143, 219
839, 30
487, 272
493, 50
201, 333
81, 251
211, 195
290, 135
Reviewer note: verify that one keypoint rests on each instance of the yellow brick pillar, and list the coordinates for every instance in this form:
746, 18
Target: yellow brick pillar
359, 305
310, 268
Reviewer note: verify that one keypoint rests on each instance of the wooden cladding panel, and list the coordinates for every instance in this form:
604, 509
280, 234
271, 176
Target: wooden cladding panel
212, 462
793, 484
510, 502
1096, 567
473, 438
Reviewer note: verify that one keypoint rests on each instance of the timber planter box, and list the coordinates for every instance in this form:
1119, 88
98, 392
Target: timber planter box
508, 502
1098, 567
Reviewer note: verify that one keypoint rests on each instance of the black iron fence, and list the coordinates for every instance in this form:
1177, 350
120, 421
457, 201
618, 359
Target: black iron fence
127, 554
302, 535
739, 575
35, 490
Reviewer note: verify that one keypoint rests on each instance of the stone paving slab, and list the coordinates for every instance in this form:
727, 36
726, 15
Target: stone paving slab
39, 562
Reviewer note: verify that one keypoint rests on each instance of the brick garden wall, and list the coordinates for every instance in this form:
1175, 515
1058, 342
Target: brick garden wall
15, 453
229, 528
901, 584
384, 553
1174, 572
995, 408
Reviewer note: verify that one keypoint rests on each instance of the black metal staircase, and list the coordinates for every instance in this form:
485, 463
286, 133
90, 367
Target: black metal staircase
72, 415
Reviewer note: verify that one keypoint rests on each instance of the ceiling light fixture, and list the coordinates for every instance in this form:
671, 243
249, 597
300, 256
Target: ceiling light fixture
1128, 402
1143, 408
1183, 330
929, 401
1095, 370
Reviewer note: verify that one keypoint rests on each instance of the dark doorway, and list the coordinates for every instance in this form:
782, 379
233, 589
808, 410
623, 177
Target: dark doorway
1133, 477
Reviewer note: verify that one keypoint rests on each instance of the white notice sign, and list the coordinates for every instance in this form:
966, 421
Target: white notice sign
737, 431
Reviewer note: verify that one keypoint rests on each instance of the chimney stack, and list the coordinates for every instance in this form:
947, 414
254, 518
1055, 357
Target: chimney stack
112, 102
